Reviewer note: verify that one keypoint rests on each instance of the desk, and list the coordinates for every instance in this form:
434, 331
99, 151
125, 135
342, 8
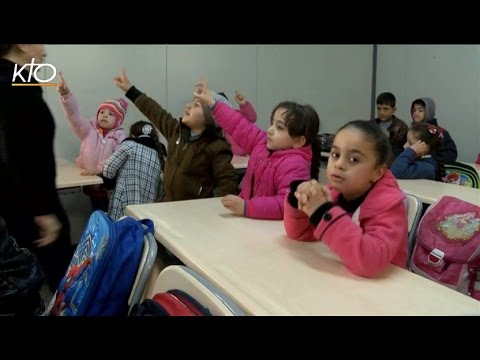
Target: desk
266, 273
68, 176
240, 162
429, 191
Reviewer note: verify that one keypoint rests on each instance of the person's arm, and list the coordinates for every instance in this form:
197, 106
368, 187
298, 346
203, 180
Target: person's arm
405, 166
243, 132
78, 123
296, 222
162, 119
222, 169
32, 151
368, 249
272, 207
116, 160
247, 110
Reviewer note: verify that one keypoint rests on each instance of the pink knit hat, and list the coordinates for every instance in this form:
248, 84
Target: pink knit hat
118, 107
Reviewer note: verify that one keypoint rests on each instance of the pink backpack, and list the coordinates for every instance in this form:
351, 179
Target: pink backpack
447, 248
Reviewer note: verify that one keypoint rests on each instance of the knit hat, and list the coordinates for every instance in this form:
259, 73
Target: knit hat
218, 97
118, 107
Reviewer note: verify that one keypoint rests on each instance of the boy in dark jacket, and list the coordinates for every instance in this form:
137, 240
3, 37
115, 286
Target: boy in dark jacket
394, 128
423, 109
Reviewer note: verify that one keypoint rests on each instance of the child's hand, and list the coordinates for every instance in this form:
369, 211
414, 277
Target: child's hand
62, 87
420, 148
122, 81
203, 93
89, 172
234, 203
239, 98
311, 195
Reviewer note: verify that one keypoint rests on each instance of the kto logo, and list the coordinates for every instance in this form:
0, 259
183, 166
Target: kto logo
33, 72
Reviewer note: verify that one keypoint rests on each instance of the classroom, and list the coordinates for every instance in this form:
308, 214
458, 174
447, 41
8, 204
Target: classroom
238, 262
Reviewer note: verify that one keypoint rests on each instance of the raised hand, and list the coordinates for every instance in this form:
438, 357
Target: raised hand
239, 98
122, 81
62, 87
203, 93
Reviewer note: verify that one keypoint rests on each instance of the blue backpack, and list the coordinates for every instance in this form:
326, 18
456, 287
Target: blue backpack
102, 272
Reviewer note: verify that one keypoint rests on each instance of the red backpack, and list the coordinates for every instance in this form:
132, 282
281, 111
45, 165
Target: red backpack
170, 303
447, 248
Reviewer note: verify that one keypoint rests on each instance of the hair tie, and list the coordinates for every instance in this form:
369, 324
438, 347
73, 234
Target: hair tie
147, 129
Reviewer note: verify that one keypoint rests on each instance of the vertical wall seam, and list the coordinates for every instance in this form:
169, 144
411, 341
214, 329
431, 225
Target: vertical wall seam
374, 82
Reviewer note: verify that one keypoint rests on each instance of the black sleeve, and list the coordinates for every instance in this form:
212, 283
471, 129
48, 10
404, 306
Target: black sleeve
30, 133
292, 200
133, 93
321, 212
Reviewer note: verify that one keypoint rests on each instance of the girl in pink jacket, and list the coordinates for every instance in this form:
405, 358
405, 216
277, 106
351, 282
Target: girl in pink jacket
361, 214
289, 150
100, 136
245, 108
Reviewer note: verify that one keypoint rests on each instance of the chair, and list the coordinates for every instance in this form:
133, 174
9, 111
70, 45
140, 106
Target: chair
414, 212
183, 278
462, 174
149, 255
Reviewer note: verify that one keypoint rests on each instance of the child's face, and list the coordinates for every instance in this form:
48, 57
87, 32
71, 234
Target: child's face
106, 119
352, 165
418, 113
385, 112
278, 137
194, 116
412, 138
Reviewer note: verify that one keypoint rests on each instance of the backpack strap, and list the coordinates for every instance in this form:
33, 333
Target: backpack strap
148, 226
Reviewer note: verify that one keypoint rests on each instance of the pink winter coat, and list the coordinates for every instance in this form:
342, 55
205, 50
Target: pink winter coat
367, 241
248, 112
95, 148
268, 174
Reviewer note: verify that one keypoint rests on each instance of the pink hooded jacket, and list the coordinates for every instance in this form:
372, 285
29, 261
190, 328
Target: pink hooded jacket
248, 112
268, 175
367, 241
95, 148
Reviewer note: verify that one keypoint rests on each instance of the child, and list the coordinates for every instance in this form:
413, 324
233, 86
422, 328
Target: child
246, 109
139, 163
100, 136
394, 128
361, 214
423, 109
199, 159
423, 155
289, 150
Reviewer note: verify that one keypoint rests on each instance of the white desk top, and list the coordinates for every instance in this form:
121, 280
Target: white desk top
266, 273
68, 175
429, 191
240, 162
